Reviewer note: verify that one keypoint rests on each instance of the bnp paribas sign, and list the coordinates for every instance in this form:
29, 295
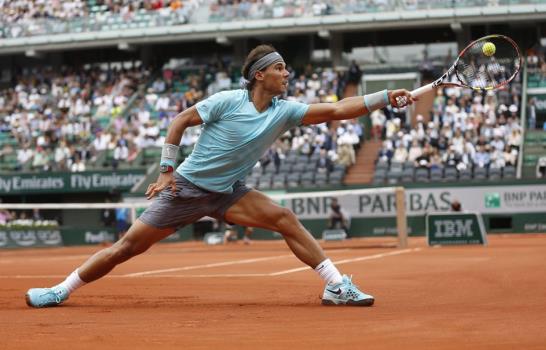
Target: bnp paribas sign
492, 200
70, 182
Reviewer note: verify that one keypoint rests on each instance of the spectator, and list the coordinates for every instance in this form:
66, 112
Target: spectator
541, 168
423, 160
435, 159
231, 233
378, 120
400, 154
121, 153
108, 216
514, 139
24, 155
451, 158
40, 160
482, 157
78, 165
324, 163
132, 153
415, 151
61, 156
497, 143
346, 155
36, 215
122, 221
338, 218
510, 155
271, 156
5, 216
456, 206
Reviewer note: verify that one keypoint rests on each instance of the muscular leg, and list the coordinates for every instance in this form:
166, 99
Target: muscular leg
137, 240
257, 210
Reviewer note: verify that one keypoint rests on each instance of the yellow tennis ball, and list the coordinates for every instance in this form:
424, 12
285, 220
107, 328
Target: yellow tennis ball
489, 49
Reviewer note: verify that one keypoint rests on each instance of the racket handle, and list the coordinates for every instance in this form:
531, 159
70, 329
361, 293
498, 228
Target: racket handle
401, 101
422, 90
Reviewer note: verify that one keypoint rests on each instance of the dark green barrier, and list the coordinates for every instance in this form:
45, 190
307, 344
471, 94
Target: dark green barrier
90, 236
30, 238
96, 181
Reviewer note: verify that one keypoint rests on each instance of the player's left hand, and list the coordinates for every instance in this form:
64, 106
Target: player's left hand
400, 98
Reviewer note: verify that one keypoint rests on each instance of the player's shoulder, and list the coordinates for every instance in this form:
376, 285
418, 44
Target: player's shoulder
286, 103
290, 107
229, 95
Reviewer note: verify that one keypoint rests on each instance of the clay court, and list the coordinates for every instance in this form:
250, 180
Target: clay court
192, 296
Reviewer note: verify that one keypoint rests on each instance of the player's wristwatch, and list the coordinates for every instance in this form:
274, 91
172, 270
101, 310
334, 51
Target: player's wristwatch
165, 168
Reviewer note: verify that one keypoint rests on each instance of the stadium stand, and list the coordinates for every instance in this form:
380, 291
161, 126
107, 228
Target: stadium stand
31, 18
468, 135
26, 18
63, 121
92, 118
110, 117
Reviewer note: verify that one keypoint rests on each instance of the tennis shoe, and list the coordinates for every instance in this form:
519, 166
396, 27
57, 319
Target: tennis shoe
345, 293
46, 297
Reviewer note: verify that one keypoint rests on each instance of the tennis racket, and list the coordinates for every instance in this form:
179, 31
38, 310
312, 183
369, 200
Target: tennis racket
485, 64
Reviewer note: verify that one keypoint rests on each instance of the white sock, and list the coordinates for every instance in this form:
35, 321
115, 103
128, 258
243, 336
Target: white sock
72, 282
328, 272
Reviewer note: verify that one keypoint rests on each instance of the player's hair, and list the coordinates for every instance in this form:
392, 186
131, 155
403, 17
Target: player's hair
254, 55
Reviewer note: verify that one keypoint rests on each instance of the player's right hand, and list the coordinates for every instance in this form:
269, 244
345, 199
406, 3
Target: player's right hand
163, 181
401, 98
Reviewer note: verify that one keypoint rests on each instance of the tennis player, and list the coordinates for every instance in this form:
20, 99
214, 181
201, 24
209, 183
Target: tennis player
238, 127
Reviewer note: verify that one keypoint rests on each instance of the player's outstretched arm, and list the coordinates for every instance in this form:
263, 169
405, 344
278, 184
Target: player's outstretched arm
352, 107
187, 118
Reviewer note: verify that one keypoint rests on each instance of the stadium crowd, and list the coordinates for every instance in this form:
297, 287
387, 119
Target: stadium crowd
61, 120
226, 10
466, 131
64, 120
22, 18
25, 17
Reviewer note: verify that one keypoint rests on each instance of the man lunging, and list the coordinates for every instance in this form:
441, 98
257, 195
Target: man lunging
238, 128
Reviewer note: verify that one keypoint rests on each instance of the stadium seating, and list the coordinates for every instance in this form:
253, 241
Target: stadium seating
451, 146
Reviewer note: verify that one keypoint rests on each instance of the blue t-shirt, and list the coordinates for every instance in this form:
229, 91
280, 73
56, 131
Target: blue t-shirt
234, 137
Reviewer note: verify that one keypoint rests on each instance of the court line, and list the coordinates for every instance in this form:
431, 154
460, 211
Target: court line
146, 276
226, 263
20, 260
221, 275
194, 267
150, 274
345, 261
42, 259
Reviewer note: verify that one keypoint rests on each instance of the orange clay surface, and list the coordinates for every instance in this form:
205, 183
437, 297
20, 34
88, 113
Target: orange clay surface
192, 296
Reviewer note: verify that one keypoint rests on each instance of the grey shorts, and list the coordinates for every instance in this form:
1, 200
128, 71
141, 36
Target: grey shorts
189, 204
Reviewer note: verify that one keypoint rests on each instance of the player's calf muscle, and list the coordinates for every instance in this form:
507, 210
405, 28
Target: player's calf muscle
120, 252
123, 252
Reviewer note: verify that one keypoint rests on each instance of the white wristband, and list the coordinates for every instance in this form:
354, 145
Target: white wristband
168, 154
376, 100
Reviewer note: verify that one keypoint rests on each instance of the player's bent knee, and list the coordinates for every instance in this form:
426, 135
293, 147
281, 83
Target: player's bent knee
285, 221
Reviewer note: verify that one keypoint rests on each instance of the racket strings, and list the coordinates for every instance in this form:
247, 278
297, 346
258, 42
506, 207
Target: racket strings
480, 69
